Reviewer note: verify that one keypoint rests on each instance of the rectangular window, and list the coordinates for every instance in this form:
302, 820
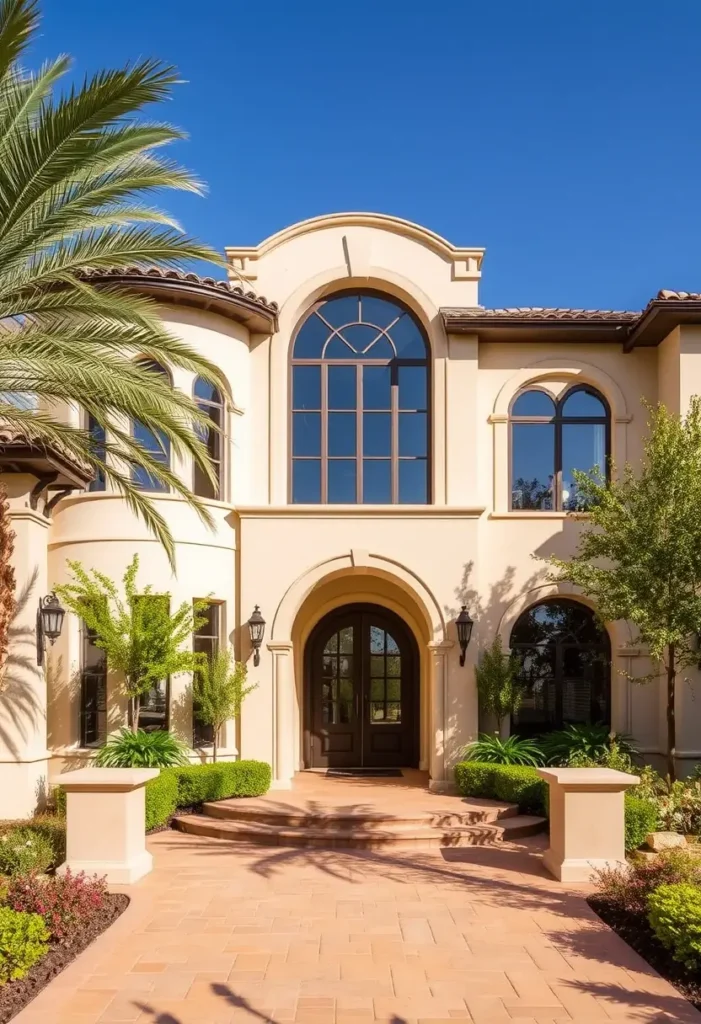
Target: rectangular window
155, 705
97, 432
93, 692
205, 641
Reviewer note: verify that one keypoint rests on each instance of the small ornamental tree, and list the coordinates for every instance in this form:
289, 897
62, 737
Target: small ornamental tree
143, 641
219, 690
499, 685
640, 557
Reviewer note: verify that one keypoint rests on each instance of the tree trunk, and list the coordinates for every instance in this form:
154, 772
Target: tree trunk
215, 734
7, 581
671, 713
133, 712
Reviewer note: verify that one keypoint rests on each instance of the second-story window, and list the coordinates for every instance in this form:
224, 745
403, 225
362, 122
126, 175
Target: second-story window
155, 443
97, 432
209, 401
360, 425
549, 440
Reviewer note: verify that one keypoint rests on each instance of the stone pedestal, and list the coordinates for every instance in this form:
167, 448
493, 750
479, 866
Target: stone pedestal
587, 820
105, 822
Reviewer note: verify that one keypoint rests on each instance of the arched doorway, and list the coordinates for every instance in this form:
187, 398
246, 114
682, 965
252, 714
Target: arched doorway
565, 656
361, 691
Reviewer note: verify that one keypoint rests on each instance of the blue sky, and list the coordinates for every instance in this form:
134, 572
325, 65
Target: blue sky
565, 137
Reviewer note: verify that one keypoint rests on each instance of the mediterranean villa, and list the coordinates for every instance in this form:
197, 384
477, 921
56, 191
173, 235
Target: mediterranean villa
393, 451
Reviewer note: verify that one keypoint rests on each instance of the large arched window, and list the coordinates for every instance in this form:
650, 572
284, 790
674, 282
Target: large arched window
565, 657
209, 401
360, 404
551, 439
156, 444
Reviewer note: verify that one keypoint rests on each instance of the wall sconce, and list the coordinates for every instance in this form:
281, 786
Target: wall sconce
464, 626
256, 628
50, 616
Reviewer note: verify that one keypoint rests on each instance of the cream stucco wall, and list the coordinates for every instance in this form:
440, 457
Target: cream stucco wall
300, 562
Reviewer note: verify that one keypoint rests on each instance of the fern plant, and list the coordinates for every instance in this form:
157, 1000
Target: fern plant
490, 749
219, 691
140, 749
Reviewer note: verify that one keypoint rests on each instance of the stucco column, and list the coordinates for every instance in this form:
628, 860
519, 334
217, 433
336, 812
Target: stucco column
283, 714
23, 751
438, 650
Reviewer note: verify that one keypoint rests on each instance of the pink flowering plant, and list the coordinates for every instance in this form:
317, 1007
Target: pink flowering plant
61, 900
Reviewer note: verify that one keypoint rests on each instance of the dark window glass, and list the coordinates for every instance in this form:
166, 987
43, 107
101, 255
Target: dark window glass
154, 705
209, 401
93, 692
155, 443
97, 432
205, 641
565, 658
360, 354
306, 481
550, 441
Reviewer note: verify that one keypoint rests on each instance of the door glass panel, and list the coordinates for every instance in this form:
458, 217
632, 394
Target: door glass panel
377, 640
394, 713
377, 665
345, 640
394, 665
377, 689
377, 711
394, 689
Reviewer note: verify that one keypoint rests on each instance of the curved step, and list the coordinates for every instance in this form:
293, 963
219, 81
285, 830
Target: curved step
260, 833
351, 818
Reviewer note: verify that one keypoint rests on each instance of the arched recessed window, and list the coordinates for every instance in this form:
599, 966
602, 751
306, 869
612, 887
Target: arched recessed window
209, 401
156, 444
551, 439
565, 657
360, 404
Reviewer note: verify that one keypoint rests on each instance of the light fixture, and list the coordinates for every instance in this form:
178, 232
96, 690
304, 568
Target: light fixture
50, 616
464, 626
256, 628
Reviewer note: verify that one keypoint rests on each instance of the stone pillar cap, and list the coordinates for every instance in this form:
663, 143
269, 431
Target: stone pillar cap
105, 778
584, 778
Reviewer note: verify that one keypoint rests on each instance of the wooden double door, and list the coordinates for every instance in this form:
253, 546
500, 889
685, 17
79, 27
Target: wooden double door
362, 691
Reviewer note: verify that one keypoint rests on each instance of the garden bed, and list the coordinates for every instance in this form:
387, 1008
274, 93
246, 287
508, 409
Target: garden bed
15, 995
634, 929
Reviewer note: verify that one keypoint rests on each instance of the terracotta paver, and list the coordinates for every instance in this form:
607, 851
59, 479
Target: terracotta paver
221, 933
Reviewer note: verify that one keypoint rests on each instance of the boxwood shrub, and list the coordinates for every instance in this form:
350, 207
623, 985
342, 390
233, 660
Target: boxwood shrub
641, 820
195, 783
514, 784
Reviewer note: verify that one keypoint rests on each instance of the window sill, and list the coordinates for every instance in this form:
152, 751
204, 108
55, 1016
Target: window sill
536, 514
360, 511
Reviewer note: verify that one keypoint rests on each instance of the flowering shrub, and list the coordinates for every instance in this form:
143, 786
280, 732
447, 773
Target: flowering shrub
22, 850
629, 888
61, 900
679, 807
23, 941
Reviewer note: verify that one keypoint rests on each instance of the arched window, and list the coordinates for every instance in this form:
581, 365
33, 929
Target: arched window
551, 439
360, 404
209, 401
565, 657
155, 443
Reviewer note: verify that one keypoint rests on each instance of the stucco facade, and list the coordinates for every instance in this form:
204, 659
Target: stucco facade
464, 545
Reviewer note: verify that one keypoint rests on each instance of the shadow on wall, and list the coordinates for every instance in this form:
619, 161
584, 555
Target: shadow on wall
20, 704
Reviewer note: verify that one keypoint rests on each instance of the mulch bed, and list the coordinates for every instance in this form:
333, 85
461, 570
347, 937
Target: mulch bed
634, 929
15, 995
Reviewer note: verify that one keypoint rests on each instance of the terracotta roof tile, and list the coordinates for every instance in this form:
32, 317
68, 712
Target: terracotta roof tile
665, 294
185, 278
538, 313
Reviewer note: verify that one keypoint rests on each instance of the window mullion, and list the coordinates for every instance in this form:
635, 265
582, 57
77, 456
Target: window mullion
558, 465
324, 434
394, 433
359, 434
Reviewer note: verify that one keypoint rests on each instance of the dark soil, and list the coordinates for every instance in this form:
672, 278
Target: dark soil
634, 929
15, 995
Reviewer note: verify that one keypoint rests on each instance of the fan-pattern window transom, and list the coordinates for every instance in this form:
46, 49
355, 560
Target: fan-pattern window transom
360, 404
549, 440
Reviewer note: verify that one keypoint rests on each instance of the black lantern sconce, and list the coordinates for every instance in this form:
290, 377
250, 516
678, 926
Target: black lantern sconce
50, 616
464, 626
256, 628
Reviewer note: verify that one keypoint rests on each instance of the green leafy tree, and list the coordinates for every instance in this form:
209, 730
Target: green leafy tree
639, 557
144, 642
219, 691
77, 172
499, 685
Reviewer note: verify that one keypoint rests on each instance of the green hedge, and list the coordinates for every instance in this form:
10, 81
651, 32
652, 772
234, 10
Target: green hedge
195, 783
49, 827
641, 820
515, 784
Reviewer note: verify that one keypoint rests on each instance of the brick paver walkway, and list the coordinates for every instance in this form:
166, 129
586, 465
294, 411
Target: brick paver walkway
221, 934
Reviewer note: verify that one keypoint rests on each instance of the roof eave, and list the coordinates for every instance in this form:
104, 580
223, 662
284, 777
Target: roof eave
659, 318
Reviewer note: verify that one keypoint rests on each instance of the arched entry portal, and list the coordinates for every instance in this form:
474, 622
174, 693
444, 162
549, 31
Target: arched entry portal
361, 691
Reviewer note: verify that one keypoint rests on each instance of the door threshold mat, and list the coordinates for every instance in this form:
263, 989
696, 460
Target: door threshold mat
367, 773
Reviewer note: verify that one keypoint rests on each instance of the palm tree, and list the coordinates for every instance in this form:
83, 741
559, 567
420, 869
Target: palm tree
76, 170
